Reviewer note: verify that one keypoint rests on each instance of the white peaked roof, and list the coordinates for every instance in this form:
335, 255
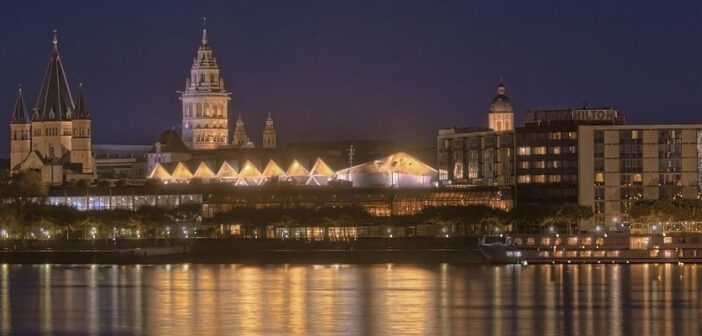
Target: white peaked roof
320, 168
273, 169
159, 172
297, 169
399, 162
227, 171
249, 174
181, 172
204, 170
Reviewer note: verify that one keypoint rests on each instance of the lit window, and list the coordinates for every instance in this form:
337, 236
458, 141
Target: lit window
524, 179
524, 165
554, 150
524, 151
599, 178
540, 164
541, 150
554, 178
539, 178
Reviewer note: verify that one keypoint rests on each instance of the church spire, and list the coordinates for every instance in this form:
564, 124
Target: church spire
204, 31
54, 101
81, 105
269, 134
19, 113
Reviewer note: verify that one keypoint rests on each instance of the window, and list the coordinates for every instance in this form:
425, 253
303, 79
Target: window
524, 179
554, 150
554, 178
554, 136
541, 150
539, 178
539, 164
599, 178
554, 164
524, 151
524, 165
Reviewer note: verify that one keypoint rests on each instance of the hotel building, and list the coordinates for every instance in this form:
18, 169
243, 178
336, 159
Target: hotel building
620, 164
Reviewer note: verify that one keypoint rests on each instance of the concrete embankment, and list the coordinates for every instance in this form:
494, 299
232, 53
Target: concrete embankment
206, 250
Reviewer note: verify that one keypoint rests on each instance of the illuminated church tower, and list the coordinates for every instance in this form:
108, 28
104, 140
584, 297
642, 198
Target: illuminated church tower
239, 137
269, 134
501, 117
205, 102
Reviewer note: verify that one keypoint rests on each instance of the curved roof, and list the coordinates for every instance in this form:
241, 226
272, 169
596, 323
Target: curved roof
501, 103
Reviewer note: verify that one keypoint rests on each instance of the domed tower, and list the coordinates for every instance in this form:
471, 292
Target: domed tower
205, 102
269, 134
20, 142
82, 138
501, 117
240, 138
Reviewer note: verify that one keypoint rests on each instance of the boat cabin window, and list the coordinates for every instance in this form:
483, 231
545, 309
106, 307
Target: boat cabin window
585, 253
545, 241
557, 241
572, 240
638, 243
599, 253
587, 240
612, 254
599, 241
544, 254
572, 254
667, 240
668, 253
531, 241
653, 253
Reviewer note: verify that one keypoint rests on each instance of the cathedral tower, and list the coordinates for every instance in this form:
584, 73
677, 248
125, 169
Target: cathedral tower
20, 142
501, 117
82, 139
240, 138
51, 121
269, 135
205, 102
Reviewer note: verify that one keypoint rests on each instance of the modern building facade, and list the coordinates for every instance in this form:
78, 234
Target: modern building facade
57, 140
620, 164
547, 152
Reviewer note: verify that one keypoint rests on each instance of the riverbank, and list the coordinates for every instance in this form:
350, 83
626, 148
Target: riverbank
245, 251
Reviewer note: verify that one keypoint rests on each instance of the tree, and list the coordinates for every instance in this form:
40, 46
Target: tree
572, 213
22, 190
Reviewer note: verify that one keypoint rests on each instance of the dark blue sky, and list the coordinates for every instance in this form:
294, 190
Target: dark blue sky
359, 69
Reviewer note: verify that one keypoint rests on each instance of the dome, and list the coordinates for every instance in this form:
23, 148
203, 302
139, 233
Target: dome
501, 104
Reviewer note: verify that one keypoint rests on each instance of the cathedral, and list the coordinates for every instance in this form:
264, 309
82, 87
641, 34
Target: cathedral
57, 139
205, 108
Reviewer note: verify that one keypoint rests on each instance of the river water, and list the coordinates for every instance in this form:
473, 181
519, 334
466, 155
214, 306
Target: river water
384, 299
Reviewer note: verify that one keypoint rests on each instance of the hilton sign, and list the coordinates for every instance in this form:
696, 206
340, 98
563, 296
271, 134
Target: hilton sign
579, 115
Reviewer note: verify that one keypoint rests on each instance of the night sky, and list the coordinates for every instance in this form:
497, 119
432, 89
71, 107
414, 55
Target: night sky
359, 69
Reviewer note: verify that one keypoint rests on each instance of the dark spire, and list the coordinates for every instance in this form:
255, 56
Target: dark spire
54, 101
19, 113
81, 105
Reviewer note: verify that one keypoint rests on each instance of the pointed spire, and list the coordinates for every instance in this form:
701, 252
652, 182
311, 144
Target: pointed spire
81, 105
204, 31
54, 101
54, 39
19, 113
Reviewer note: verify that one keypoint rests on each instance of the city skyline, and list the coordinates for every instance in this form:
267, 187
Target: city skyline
336, 71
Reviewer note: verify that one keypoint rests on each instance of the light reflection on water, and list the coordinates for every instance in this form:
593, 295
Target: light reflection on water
351, 300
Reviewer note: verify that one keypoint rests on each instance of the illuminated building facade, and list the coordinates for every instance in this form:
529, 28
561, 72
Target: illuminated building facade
57, 140
620, 164
547, 152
